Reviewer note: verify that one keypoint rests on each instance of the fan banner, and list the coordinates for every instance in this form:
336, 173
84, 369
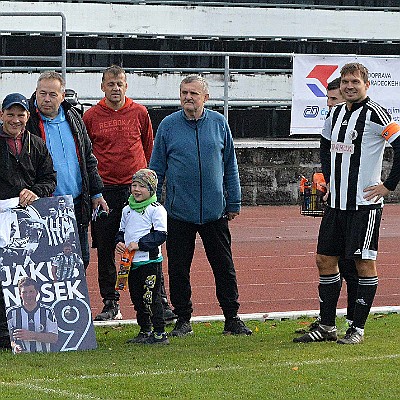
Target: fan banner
43, 277
311, 74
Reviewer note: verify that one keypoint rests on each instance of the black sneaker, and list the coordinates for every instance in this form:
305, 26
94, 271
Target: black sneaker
352, 336
110, 311
235, 326
157, 338
311, 327
314, 325
318, 335
182, 328
169, 315
140, 338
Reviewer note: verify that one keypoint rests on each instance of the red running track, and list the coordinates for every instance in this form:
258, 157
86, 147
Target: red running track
274, 253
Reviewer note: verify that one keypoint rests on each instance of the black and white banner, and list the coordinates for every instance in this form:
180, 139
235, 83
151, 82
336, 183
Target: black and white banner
43, 278
311, 74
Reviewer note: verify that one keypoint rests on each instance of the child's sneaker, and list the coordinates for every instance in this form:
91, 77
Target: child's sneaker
140, 338
157, 338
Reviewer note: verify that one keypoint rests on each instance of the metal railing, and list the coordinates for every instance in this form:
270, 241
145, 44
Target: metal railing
62, 59
226, 55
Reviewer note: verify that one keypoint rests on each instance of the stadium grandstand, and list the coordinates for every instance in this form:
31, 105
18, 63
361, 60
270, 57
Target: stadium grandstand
244, 47
260, 94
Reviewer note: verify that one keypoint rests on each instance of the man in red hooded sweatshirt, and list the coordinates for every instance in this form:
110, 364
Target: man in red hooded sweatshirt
122, 138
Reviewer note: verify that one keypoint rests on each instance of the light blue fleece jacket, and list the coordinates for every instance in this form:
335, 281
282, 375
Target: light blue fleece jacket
61, 145
198, 162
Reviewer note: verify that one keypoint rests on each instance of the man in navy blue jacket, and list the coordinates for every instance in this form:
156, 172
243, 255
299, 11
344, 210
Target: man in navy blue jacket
193, 152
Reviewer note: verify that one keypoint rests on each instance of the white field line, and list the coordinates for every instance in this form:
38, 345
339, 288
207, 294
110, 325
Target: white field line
64, 394
34, 385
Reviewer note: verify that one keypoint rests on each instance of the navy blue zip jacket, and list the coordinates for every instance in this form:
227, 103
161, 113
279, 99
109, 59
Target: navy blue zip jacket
197, 161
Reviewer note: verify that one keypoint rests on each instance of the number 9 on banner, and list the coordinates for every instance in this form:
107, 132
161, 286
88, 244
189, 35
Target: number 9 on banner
74, 325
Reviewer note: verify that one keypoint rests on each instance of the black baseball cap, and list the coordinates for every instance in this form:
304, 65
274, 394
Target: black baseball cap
15, 98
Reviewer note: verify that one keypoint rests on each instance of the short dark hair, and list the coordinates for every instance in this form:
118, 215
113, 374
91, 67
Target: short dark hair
351, 68
335, 84
113, 70
27, 281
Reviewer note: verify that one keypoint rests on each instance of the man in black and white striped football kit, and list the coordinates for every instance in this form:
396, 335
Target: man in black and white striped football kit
33, 326
65, 263
58, 229
352, 146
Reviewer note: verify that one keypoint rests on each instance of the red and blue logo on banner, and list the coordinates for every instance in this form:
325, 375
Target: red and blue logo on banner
322, 73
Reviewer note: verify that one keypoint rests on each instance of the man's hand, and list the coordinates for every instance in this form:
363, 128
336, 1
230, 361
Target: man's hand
231, 215
23, 334
325, 196
100, 201
376, 191
27, 197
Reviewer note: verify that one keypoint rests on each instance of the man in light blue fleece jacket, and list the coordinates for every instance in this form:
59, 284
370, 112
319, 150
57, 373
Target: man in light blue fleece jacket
194, 154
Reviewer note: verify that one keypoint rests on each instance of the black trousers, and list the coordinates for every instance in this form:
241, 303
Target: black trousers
3, 318
104, 231
145, 290
180, 249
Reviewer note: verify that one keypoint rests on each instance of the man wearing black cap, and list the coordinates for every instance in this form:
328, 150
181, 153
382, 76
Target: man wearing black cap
27, 169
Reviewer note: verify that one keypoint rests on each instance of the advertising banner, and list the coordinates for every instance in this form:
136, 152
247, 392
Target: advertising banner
311, 75
43, 278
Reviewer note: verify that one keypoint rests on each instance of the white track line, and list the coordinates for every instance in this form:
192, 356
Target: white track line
260, 316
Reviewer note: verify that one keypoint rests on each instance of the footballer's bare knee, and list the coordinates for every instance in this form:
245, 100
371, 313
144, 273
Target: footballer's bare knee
366, 268
327, 265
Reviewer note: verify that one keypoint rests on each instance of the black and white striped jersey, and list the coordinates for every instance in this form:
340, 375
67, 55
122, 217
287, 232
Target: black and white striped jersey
41, 319
352, 147
66, 264
58, 229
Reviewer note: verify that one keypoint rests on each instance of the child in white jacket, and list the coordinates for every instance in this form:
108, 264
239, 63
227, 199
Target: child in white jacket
142, 230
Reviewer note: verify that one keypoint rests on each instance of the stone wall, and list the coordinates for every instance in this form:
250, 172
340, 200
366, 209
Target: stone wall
270, 170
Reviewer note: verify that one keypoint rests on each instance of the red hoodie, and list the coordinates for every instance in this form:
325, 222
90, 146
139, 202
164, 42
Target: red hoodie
122, 140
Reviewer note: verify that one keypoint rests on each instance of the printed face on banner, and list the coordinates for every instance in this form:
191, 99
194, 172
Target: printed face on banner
43, 278
311, 74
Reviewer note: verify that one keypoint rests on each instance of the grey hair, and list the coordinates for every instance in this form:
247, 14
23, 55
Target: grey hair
52, 75
196, 78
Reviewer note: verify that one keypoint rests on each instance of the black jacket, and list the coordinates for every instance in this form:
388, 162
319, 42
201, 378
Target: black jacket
91, 181
32, 169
